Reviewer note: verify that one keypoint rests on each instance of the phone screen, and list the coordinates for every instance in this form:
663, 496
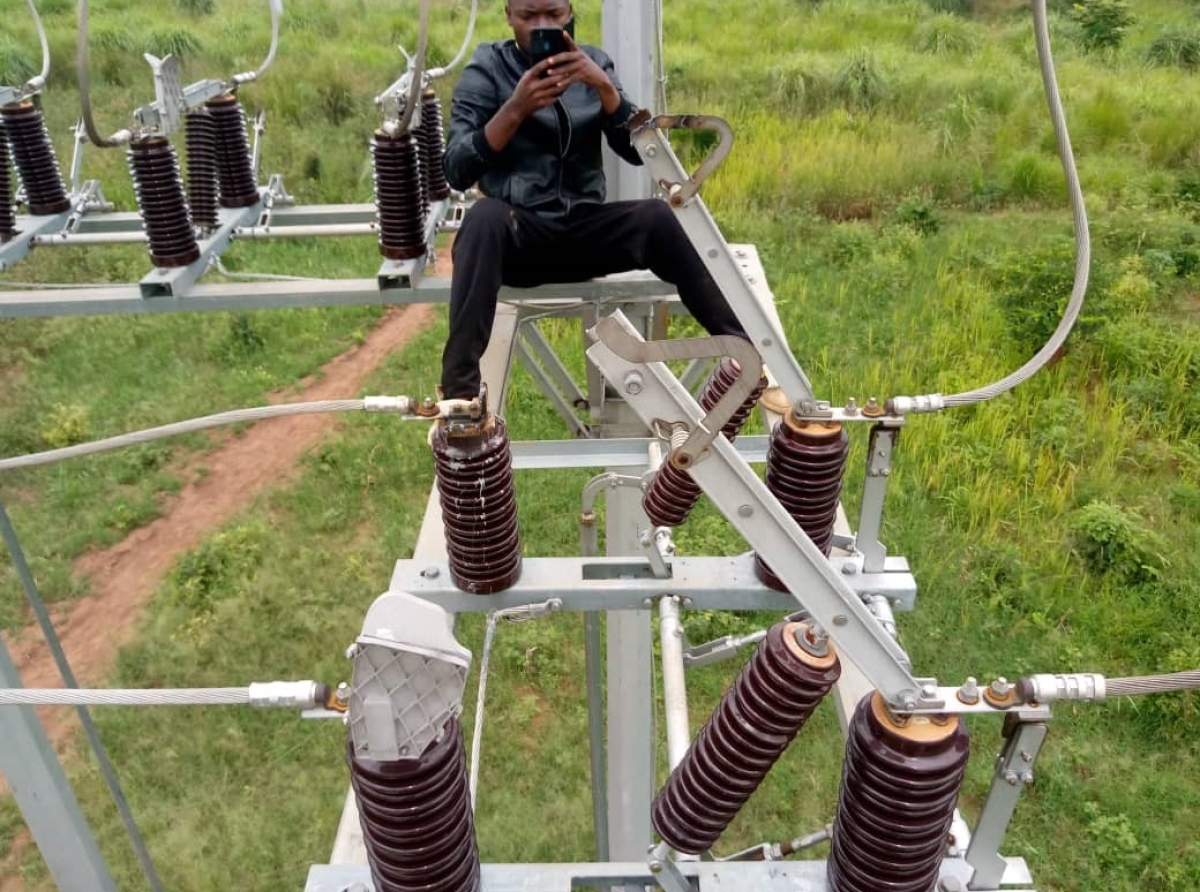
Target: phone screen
546, 42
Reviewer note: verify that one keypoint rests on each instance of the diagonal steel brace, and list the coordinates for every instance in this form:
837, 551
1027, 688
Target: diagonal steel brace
755, 513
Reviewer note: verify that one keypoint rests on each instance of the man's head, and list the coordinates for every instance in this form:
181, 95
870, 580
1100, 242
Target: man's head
525, 15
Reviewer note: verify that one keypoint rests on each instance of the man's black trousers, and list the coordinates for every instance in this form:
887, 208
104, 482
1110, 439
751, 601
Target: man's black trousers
502, 245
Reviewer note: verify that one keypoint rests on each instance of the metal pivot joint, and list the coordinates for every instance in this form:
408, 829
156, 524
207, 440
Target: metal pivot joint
680, 192
633, 349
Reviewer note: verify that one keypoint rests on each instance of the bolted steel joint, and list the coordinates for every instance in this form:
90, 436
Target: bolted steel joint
969, 692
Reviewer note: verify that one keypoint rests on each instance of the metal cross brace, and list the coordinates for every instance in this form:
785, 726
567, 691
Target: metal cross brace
755, 513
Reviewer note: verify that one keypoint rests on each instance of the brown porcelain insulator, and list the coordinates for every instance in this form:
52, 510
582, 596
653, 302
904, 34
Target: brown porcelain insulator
398, 196
805, 465
479, 507
200, 129
433, 146
900, 784
423, 165
163, 206
235, 168
33, 155
673, 493
416, 818
8, 215
772, 698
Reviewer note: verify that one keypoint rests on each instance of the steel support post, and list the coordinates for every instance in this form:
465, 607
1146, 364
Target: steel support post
630, 718
630, 32
46, 800
630, 36
552, 386
880, 444
1024, 733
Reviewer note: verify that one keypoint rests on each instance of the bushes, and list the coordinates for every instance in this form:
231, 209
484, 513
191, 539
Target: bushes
176, 41
1156, 365
1033, 290
224, 564
957, 7
1102, 23
1179, 47
861, 83
198, 7
1110, 540
945, 34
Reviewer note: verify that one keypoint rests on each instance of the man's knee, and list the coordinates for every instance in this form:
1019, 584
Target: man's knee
656, 215
485, 226
486, 216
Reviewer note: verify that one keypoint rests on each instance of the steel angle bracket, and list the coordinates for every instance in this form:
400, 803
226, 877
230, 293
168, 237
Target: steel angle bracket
748, 297
634, 350
29, 229
747, 503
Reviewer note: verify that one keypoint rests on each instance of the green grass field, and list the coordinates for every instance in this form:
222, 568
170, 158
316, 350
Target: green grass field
895, 167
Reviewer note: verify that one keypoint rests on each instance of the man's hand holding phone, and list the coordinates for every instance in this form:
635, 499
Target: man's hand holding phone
571, 65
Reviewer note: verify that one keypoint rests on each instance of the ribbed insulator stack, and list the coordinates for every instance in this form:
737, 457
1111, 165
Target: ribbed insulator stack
673, 493
433, 146
479, 506
8, 215
398, 196
805, 465
235, 168
772, 698
900, 784
423, 165
33, 154
200, 131
161, 201
416, 818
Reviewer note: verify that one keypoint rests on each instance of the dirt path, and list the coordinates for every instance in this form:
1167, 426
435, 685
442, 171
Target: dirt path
123, 577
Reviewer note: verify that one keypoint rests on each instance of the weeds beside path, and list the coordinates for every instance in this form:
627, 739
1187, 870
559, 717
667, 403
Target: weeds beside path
123, 577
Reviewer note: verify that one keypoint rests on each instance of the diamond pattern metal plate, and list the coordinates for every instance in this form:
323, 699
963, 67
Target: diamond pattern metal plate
408, 680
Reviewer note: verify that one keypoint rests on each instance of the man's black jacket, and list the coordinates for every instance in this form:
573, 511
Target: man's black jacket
553, 162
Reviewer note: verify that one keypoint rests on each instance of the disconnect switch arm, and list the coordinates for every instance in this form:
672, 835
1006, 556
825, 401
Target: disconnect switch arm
749, 300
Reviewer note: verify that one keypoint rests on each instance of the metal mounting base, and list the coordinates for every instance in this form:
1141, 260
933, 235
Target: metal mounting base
710, 876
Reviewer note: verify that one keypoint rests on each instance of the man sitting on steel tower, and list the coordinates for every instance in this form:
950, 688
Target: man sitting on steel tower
528, 133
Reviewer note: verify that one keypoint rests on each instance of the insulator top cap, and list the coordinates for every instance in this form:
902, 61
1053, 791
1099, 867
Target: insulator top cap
813, 429
921, 729
808, 648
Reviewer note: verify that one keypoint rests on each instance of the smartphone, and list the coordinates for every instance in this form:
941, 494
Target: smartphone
546, 42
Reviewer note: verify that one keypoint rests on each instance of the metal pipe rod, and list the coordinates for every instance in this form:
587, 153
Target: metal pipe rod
593, 649
674, 683
81, 239
311, 231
